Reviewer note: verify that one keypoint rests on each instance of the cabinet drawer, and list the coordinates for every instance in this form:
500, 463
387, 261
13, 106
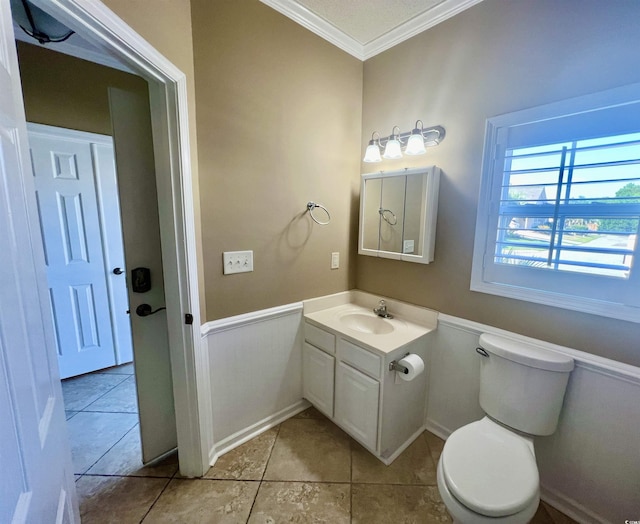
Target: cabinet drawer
360, 358
320, 338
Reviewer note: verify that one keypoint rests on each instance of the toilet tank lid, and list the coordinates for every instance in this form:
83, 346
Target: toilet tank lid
526, 354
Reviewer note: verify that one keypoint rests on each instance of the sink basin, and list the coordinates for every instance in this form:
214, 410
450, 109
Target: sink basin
371, 324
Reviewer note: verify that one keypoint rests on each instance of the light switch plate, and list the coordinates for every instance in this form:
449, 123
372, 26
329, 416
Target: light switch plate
237, 262
335, 260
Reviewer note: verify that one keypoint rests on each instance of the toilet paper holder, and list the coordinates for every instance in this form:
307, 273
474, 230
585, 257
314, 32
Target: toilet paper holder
394, 366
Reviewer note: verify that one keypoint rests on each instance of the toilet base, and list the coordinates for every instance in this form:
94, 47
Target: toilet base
463, 515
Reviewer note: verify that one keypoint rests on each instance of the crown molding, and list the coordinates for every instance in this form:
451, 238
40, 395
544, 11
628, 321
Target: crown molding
420, 23
317, 25
326, 30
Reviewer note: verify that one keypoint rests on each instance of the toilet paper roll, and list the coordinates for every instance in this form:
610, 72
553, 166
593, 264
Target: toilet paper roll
414, 364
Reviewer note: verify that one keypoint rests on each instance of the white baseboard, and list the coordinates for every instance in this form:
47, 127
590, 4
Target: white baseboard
387, 461
570, 507
437, 429
239, 438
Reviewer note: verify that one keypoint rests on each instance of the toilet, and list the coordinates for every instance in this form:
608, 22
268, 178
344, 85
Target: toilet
487, 472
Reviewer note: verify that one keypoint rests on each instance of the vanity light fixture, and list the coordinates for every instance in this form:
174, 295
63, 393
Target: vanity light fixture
393, 149
416, 142
372, 154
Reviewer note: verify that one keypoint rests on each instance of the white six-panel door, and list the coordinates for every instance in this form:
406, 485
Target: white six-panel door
76, 193
37, 483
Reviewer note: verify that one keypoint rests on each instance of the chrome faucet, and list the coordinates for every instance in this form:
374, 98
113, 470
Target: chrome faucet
381, 310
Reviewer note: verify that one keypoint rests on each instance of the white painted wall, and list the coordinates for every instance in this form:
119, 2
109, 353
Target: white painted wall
590, 468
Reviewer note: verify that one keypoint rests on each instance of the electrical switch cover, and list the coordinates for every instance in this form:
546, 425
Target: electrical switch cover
335, 260
237, 262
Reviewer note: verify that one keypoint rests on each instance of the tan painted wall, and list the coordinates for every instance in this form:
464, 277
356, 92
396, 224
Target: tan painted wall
279, 116
63, 91
166, 25
499, 56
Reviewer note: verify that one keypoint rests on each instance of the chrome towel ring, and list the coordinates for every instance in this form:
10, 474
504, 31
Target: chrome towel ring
388, 216
311, 206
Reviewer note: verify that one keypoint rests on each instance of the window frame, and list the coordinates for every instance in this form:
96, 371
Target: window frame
521, 282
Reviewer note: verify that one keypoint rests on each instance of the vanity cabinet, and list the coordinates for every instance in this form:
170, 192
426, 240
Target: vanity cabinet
353, 386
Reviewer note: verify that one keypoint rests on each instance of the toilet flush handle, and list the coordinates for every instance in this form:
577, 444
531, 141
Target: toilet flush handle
482, 351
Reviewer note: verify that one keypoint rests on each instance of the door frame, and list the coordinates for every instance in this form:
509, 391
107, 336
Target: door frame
170, 127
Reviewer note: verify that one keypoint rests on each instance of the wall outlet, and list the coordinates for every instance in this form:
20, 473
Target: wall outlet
237, 262
335, 260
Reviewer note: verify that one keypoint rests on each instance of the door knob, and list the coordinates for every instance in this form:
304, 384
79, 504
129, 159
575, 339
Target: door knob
117, 271
144, 310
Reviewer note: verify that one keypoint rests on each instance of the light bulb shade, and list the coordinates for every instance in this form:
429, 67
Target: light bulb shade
372, 154
392, 149
415, 145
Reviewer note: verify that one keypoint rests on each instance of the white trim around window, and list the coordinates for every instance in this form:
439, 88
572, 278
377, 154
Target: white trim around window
532, 219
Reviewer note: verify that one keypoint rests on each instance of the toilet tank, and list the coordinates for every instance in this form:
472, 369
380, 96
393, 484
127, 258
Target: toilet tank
523, 385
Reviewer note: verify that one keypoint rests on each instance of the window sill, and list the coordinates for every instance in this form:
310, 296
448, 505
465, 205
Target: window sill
585, 305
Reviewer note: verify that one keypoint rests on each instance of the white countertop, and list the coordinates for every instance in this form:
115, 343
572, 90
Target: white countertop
409, 322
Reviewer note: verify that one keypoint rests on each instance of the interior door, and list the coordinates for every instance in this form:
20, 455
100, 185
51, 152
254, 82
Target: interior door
36, 484
131, 124
75, 182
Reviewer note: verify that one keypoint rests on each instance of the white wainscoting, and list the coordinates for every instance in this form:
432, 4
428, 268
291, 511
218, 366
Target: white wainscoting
255, 369
590, 468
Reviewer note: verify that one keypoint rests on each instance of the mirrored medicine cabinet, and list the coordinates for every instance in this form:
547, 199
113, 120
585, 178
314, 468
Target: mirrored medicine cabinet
398, 211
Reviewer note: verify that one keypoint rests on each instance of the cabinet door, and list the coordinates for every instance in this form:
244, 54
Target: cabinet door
317, 378
357, 404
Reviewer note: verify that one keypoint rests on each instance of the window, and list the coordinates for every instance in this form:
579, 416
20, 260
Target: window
559, 209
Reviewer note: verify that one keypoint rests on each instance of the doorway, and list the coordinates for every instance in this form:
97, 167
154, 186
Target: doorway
174, 197
79, 213
76, 189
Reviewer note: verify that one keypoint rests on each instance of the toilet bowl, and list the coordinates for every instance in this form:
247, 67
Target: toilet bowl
487, 472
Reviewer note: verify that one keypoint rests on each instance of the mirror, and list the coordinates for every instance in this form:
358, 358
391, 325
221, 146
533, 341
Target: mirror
398, 213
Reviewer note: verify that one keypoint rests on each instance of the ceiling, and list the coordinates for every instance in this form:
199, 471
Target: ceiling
364, 28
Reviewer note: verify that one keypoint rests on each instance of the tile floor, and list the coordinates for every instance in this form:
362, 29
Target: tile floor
306, 470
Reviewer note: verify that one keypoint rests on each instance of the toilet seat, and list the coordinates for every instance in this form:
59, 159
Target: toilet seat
490, 469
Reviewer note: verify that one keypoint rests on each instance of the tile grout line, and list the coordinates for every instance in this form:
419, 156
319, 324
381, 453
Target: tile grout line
108, 391
266, 464
105, 393
156, 500
117, 412
84, 410
350, 482
114, 444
